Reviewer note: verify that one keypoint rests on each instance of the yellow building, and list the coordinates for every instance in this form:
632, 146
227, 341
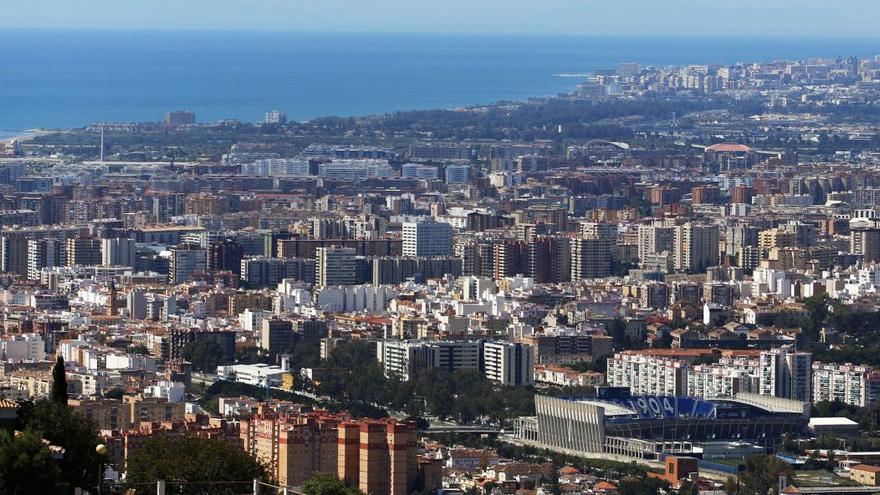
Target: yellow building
305, 449
775, 238
152, 409
206, 205
865, 474
292, 447
379, 457
249, 300
113, 414
31, 383
107, 414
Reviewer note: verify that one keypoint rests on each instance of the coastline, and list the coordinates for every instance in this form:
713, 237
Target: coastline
310, 75
28, 134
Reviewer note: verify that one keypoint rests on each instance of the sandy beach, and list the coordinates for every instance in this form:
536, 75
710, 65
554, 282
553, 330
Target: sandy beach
27, 135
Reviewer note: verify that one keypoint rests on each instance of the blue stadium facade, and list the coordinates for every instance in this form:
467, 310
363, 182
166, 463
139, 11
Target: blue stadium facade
616, 422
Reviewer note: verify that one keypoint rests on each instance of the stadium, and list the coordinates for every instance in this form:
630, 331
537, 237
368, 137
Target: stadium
646, 427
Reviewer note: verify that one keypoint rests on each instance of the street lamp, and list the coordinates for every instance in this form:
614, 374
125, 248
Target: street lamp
101, 450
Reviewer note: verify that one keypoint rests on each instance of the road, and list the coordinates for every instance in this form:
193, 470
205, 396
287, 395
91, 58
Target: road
436, 426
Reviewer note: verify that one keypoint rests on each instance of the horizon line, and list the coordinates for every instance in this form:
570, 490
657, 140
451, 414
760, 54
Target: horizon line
202, 30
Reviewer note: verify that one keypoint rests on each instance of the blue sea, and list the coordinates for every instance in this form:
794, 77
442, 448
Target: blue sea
62, 79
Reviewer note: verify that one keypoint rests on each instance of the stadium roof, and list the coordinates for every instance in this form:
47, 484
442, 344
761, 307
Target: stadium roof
611, 409
771, 404
832, 421
729, 148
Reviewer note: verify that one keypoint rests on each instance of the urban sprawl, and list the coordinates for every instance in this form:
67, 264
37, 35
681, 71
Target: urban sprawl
664, 280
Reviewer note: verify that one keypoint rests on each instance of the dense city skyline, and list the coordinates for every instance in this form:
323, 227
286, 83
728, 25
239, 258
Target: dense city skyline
650, 267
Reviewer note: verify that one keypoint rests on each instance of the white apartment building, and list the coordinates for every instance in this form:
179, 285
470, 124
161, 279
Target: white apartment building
355, 298
508, 363
335, 266
277, 167
712, 381
457, 174
355, 169
406, 358
23, 347
786, 374
695, 247
43, 253
275, 117
118, 252
590, 258
654, 239
427, 238
418, 171
72, 350
186, 260
171, 391
848, 383
403, 359
251, 319
473, 288
454, 356
749, 364
778, 372
126, 361
648, 375
567, 377
93, 382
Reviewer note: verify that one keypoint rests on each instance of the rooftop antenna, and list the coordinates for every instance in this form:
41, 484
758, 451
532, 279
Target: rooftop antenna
102, 143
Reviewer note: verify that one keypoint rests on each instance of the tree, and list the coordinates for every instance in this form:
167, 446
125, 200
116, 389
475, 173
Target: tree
355, 376
618, 333
205, 355
352, 354
551, 484
600, 365
26, 465
327, 484
76, 434
761, 474
706, 359
114, 393
631, 485
817, 305
356, 380
59, 382
304, 354
731, 486
436, 387
421, 423
139, 349
191, 461
688, 488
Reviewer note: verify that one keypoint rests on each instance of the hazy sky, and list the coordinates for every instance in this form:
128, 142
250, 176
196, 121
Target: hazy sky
825, 18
